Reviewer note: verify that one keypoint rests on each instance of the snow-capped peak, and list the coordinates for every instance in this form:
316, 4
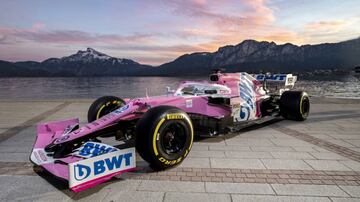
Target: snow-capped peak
91, 55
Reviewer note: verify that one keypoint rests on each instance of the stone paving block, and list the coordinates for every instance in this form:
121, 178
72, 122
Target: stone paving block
257, 134
207, 154
282, 136
217, 143
332, 165
284, 149
354, 191
319, 149
55, 196
285, 164
304, 149
247, 155
308, 190
327, 156
198, 197
16, 113
229, 148
257, 198
171, 186
249, 142
290, 142
195, 162
92, 194
322, 136
24, 138
342, 143
356, 149
236, 163
240, 188
291, 155
15, 149
74, 110
13, 187
126, 185
345, 136
353, 165
200, 148
356, 143
134, 196
14, 157
334, 199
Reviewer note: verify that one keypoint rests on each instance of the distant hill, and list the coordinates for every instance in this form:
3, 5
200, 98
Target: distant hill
84, 63
254, 56
249, 55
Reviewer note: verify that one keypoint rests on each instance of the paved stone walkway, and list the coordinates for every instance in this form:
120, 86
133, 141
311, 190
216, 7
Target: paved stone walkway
315, 160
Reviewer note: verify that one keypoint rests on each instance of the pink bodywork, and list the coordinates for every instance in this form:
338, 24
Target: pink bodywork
53, 132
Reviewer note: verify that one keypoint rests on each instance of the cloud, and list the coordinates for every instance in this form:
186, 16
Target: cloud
253, 12
38, 26
331, 30
225, 22
325, 26
69, 37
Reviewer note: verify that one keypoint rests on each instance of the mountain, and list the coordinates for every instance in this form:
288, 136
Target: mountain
254, 56
84, 63
249, 55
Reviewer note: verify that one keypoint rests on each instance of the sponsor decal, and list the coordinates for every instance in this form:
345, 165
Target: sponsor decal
64, 138
68, 129
85, 172
91, 149
121, 109
39, 157
247, 107
175, 116
188, 103
274, 77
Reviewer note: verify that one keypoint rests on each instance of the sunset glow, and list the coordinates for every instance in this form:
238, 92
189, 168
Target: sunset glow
158, 31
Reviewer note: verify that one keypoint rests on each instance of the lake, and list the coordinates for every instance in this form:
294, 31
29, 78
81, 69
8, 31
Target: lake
130, 87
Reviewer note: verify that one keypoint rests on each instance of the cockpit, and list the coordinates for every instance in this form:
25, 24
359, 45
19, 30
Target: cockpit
196, 89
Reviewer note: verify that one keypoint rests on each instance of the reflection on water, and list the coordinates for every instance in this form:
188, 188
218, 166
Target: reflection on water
93, 87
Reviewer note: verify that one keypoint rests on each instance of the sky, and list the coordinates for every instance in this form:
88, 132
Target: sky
158, 31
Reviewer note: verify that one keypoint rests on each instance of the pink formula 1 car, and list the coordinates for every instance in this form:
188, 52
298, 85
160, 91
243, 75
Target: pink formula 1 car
162, 127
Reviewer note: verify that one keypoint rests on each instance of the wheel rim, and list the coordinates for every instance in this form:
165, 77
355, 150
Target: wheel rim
173, 138
305, 106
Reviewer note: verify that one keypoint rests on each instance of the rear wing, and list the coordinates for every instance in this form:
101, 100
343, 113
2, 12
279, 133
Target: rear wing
276, 82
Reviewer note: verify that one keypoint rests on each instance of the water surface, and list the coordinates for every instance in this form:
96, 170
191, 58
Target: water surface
93, 87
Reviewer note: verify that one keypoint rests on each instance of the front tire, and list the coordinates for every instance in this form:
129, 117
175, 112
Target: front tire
295, 105
104, 105
164, 136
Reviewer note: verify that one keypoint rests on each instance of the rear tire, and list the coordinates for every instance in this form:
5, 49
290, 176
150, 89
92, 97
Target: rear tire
164, 136
295, 105
104, 105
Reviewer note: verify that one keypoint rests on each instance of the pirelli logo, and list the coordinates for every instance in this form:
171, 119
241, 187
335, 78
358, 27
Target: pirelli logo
175, 116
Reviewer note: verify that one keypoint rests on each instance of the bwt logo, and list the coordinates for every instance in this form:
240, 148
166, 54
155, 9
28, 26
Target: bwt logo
275, 77
81, 171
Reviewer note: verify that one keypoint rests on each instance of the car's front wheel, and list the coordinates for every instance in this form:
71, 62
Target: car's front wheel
104, 105
164, 136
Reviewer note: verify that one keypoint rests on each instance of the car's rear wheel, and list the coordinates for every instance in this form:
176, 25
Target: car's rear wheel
104, 105
164, 137
295, 105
